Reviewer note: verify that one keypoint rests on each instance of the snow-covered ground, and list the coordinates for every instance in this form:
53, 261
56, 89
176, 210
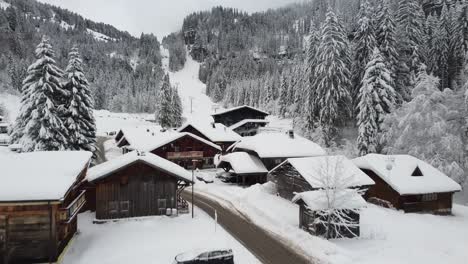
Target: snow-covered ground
112, 122
149, 240
387, 236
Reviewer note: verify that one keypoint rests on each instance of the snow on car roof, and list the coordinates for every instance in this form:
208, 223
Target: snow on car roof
239, 107
277, 145
157, 142
245, 121
400, 176
38, 176
313, 168
319, 199
215, 132
192, 254
243, 163
105, 169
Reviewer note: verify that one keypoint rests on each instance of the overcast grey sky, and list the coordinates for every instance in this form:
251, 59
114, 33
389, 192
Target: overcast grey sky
154, 16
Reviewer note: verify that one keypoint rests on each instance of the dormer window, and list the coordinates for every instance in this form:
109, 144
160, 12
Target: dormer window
417, 173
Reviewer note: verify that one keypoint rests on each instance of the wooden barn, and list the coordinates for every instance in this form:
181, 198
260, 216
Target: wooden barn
274, 148
298, 175
248, 169
39, 202
138, 184
249, 127
314, 209
408, 183
184, 148
234, 115
217, 133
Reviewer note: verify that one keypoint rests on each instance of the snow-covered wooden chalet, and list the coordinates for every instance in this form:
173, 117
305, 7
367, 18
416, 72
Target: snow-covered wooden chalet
244, 120
40, 198
138, 184
247, 168
408, 183
217, 133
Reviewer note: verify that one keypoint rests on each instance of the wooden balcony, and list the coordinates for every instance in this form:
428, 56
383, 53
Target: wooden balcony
69, 213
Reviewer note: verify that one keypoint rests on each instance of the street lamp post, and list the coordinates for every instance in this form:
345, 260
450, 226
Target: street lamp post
194, 165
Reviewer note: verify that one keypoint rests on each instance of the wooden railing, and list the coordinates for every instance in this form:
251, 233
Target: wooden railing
67, 214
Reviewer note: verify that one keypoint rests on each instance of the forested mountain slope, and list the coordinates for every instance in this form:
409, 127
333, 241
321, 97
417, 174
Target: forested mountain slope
125, 72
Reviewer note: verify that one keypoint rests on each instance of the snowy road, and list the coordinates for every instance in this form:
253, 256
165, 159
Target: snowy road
263, 244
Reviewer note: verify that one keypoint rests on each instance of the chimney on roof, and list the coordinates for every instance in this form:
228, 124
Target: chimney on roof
147, 130
213, 124
291, 133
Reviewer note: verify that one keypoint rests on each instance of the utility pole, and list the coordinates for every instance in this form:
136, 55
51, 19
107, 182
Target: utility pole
191, 104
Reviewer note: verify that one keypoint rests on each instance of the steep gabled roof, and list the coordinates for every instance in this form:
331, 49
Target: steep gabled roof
159, 142
215, 132
107, 168
400, 176
240, 107
319, 199
243, 163
40, 176
312, 169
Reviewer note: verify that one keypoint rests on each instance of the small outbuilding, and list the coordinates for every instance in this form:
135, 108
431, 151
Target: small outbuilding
217, 133
40, 199
236, 114
408, 183
316, 217
247, 168
298, 175
138, 184
274, 148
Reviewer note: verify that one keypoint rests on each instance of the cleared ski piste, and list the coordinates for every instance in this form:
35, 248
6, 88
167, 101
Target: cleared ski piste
387, 236
156, 239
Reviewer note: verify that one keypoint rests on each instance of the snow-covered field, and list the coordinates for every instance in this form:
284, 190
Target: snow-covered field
387, 236
112, 122
149, 240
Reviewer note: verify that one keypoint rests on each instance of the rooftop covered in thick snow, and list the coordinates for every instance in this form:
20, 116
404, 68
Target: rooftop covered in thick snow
407, 174
314, 169
247, 121
138, 137
158, 142
278, 145
243, 163
40, 176
326, 199
107, 168
215, 132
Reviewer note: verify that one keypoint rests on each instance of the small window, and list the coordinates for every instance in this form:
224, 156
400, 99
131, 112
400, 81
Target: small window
113, 207
429, 197
277, 161
176, 148
125, 207
417, 172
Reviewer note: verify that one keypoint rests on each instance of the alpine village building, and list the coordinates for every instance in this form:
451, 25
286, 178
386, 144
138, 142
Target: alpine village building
303, 181
244, 120
138, 184
217, 133
407, 183
40, 199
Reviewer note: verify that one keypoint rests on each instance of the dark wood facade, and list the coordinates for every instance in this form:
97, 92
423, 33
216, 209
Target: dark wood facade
232, 117
307, 218
223, 144
288, 181
38, 231
185, 149
137, 190
439, 203
249, 128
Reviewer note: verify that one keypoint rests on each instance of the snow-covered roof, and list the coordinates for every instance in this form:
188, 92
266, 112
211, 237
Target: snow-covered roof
157, 142
244, 163
277, 145
245, 121
139, 137
319, 200
215, 132
240, 107
105, 169
313, 169
400, 176
39, 176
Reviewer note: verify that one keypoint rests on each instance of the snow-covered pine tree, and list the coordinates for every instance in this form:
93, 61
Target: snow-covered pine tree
456, 42
332, 77
310, 114
165, 108
439, 52
364, 44
79, 117
283, 99
39, 126
178, 110
386, 41
376, 99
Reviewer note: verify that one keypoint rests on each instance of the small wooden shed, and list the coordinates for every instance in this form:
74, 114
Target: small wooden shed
39, 203
248, 168
138, 184
408, 183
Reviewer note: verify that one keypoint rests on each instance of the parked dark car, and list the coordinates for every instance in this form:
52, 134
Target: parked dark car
222, 256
